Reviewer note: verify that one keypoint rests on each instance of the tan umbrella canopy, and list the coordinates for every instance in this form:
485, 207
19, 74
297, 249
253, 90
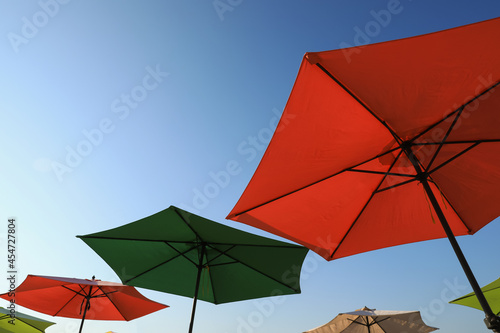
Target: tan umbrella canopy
367, 320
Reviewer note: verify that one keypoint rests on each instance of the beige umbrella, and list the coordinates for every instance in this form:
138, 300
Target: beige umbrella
367, 320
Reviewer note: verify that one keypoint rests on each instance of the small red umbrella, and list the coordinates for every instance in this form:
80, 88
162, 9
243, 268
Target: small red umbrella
386, 144
82, 298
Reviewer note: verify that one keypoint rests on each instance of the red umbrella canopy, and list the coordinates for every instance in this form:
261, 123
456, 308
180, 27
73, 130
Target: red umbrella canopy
65, 297
364, 126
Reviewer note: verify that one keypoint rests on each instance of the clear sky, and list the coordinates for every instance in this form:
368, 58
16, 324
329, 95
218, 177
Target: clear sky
111, 111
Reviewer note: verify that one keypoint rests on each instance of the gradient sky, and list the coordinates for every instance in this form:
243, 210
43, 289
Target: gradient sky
114, 110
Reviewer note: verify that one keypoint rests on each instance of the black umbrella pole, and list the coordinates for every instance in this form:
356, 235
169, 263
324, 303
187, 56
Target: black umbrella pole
492, 321
196, 289
87, 300
195, 299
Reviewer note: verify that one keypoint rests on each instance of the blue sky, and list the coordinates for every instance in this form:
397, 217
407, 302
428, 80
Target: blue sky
112, 111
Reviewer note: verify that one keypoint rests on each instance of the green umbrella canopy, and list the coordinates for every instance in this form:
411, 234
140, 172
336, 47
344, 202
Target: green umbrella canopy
167, 250
490, 291
23, 323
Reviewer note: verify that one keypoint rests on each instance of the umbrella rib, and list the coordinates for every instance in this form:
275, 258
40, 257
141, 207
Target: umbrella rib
221, 253
232, 246
364, 207
368, 324
378, 323
316, 182
136, 239
92, 293
284, 245
74, 295
24, 322
262, 273
223, 264
459, 113
396, 137
453, 158
493, 86
450, 204
180, 254
75, 291
166, 242
382, 173
397, 185
357, 322
434, 125
456, 142
187, 224
105, 294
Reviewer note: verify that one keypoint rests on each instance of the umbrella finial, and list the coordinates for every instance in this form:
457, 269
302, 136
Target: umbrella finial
93, 277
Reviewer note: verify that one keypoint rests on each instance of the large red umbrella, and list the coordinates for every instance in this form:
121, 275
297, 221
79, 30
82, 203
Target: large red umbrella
82, 298
386, 144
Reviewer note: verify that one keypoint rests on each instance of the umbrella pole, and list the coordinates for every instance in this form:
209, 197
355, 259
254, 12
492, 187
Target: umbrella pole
87, 301
198, 278
492, 321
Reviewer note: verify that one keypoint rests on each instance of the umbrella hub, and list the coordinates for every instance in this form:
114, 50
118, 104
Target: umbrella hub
200, 244
406, 145
422, 174
202, 252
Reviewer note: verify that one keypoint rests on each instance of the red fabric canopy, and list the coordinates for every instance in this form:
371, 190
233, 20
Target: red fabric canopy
336, 176
65, 297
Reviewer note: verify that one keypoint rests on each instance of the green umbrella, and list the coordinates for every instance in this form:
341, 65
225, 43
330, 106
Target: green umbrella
178, 252
490, 291
22, 323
